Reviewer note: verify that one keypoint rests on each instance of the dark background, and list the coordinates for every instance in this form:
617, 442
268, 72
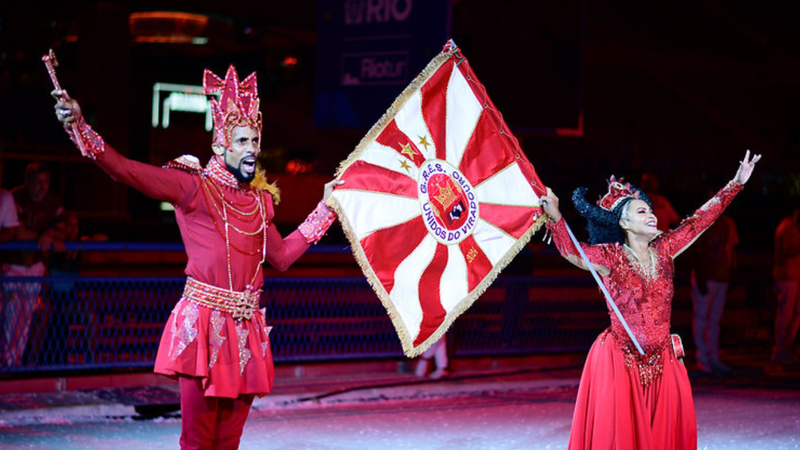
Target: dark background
677, 88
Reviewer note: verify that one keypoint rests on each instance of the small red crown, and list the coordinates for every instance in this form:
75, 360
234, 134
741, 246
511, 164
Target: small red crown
237, 105
616, 193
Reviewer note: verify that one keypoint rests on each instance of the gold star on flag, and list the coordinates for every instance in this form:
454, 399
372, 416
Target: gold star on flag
407, 150
404, 165
423, 140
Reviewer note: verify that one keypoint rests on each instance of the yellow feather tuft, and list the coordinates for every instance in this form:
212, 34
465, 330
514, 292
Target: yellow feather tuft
260, 182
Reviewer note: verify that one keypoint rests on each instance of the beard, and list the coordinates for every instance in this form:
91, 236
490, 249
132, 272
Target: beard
239, 173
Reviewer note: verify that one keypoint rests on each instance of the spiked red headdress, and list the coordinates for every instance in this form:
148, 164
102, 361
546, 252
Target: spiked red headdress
237, 105
616, 193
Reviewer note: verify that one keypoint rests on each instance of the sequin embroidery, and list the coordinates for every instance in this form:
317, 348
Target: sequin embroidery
648, 272
244, 352
317, 223
187, 331
216, 339
173, 330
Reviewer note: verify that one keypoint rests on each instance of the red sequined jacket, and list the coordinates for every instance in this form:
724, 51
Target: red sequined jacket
202, 197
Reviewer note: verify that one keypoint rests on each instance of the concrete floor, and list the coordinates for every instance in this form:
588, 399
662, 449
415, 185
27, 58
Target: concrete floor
511, 411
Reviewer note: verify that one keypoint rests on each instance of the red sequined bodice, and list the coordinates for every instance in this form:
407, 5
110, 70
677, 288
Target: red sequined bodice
644, 296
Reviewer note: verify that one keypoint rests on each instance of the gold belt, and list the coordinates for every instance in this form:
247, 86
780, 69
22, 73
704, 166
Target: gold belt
241, 304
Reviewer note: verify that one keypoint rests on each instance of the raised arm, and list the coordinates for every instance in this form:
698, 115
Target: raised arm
155, 182
564, 244
679, 239
282, 252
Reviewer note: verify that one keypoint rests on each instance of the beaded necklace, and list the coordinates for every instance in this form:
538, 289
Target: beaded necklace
213, 193
649, 272
214, 196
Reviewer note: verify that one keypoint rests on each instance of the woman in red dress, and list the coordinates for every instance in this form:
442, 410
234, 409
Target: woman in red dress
627, 400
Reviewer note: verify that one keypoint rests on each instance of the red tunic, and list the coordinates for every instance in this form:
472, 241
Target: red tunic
232, 357
625, 400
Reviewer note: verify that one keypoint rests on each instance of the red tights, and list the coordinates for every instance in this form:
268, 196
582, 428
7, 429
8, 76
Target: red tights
210, 423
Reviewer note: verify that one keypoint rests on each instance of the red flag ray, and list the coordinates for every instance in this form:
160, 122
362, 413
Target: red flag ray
391, 246
433, 313
478, 164
400, 142
366, 176
434, 107
479, 265
505, 142
388, 158
514, 220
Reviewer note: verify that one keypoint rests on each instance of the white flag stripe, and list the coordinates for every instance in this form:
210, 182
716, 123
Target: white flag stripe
371, 211
455, 279
405, 293
507, 187
388, 158
463, 112
493, 241
410, 121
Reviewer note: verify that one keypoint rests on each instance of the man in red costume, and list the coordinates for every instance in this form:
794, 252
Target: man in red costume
215, 342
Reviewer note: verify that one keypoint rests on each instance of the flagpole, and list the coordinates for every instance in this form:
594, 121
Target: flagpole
603, 288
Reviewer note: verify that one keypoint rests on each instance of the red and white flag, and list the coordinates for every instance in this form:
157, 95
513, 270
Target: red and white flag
438, 198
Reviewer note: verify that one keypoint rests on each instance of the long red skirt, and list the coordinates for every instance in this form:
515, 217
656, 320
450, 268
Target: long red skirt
614, 410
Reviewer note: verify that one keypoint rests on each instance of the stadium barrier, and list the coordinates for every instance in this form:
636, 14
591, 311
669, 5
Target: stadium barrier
79, 323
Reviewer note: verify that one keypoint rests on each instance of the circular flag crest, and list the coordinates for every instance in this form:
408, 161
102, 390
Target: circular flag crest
447, 199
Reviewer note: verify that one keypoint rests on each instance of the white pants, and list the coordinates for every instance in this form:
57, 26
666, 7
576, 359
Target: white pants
438, 352
787, 320
20, 300
708, 309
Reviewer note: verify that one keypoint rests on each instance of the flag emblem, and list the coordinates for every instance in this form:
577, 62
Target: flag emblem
448, 202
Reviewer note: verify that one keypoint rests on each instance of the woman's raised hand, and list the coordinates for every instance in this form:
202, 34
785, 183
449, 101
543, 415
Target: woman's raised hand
746, 167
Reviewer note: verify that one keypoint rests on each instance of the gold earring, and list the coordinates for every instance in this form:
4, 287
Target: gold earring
218, 149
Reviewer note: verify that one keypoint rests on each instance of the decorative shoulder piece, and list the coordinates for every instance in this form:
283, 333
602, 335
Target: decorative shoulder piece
89, 142
186, 163
317, 223
260, 182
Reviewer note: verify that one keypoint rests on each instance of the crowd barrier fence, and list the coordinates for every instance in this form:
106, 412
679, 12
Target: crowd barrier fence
79, 323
